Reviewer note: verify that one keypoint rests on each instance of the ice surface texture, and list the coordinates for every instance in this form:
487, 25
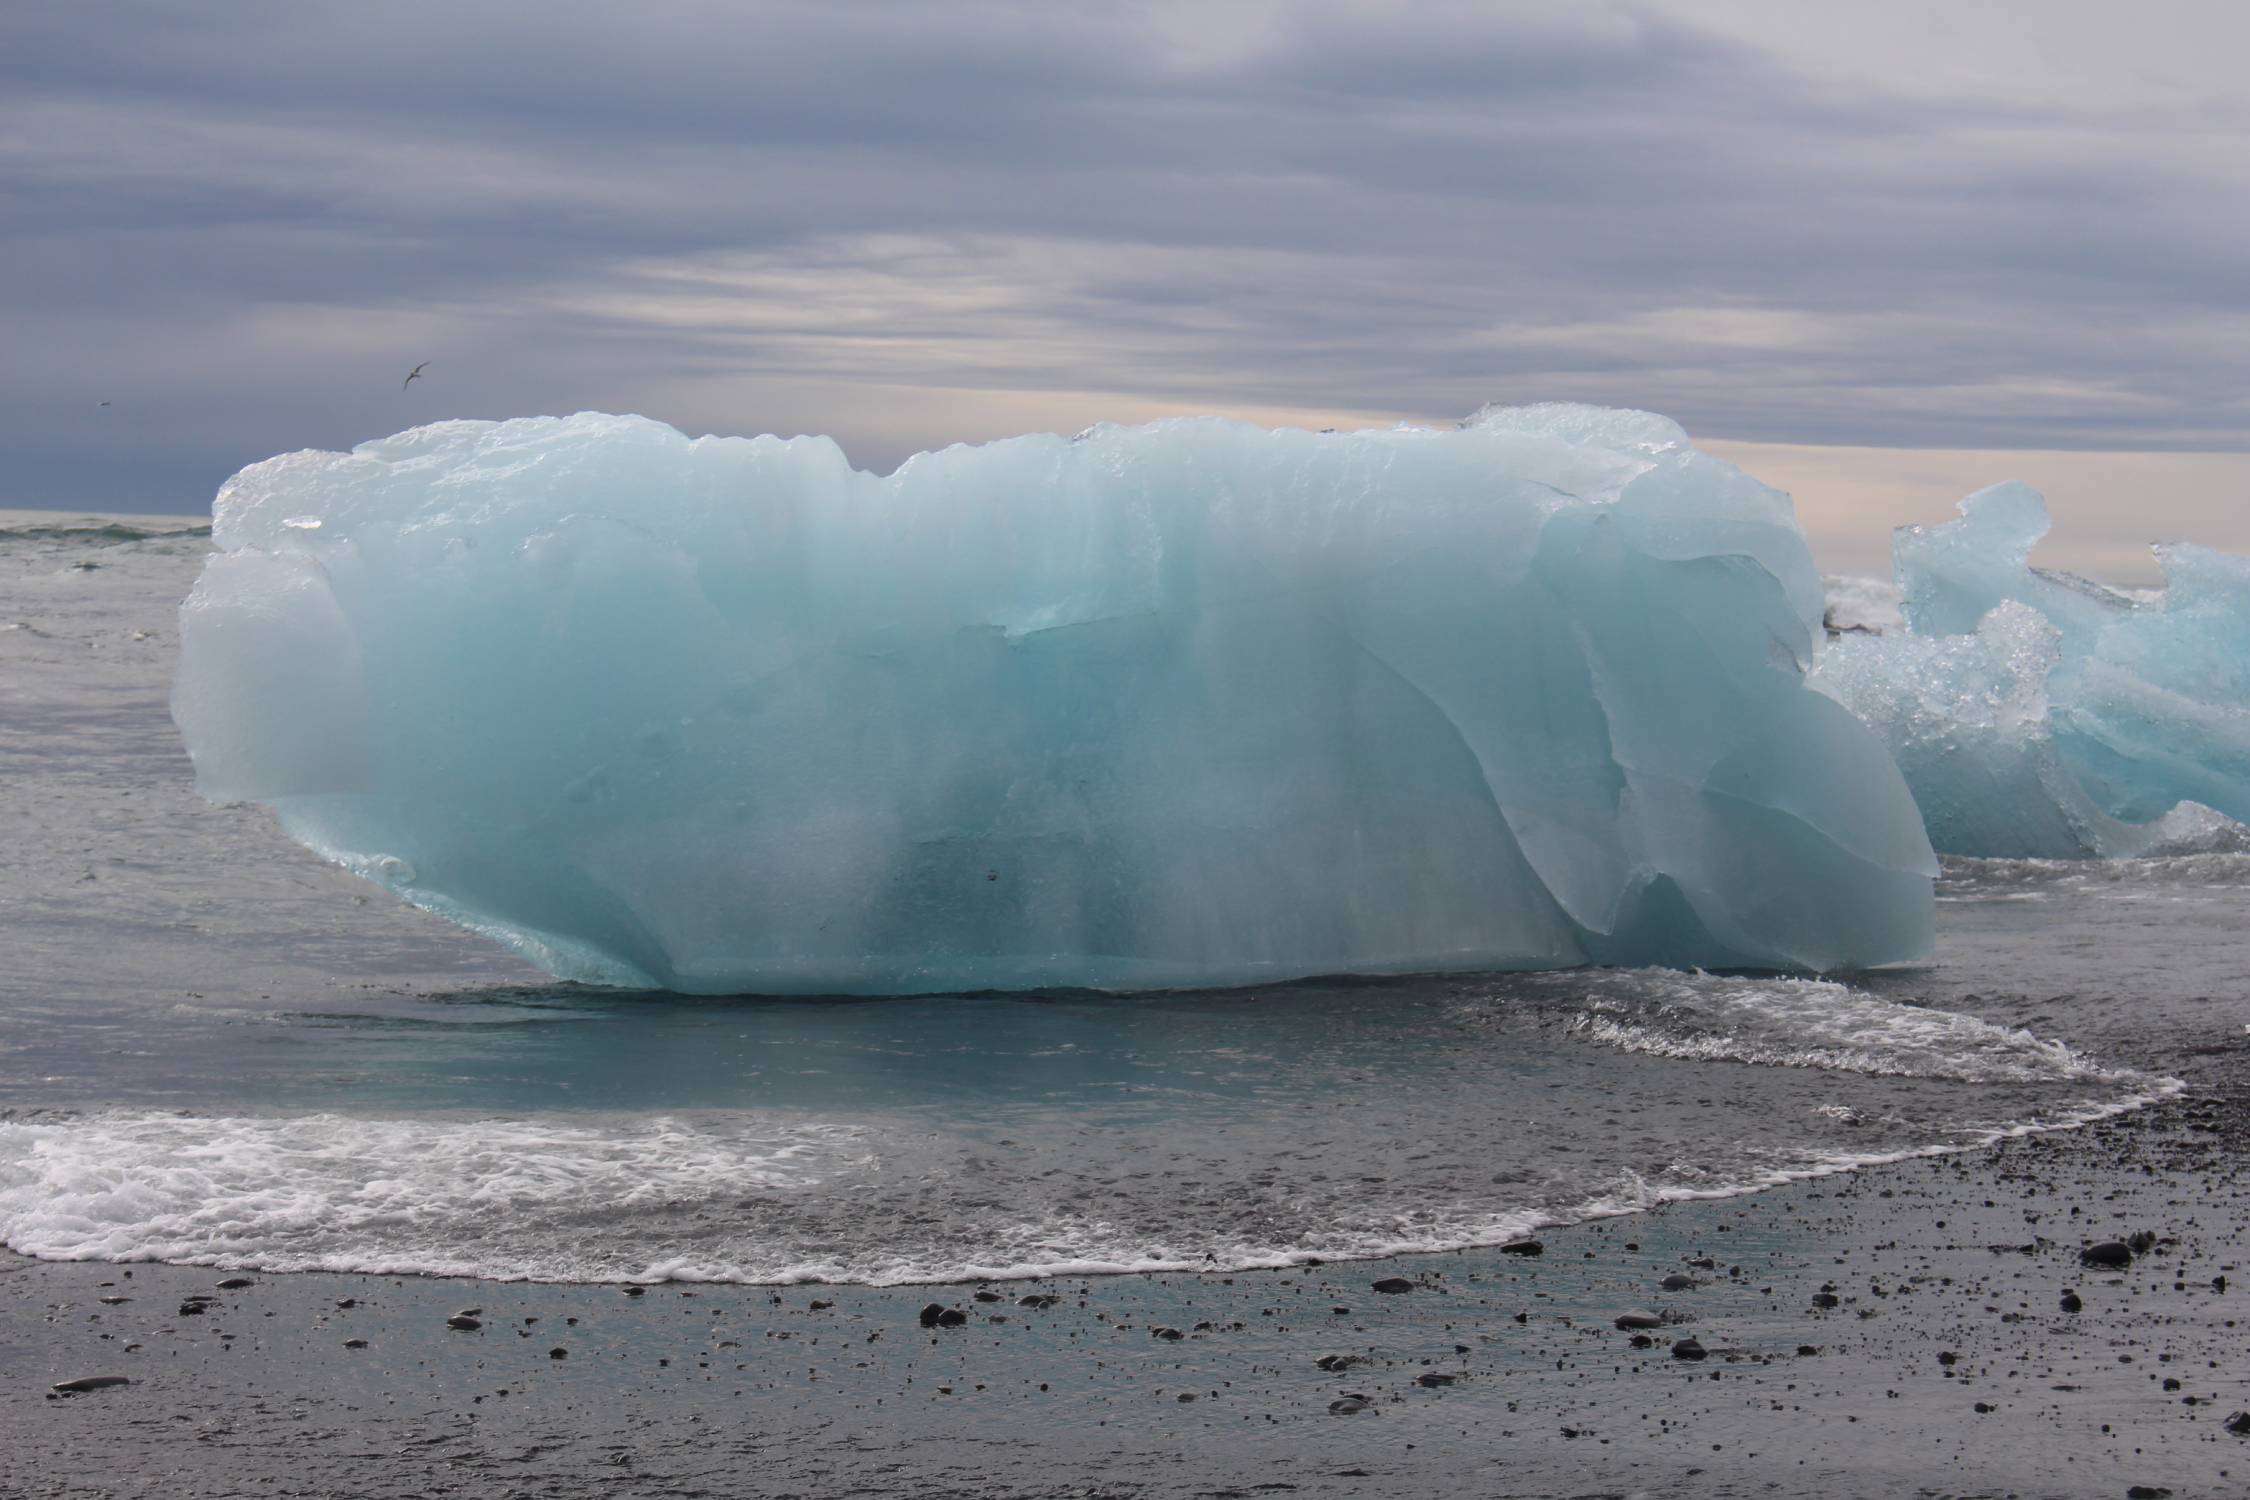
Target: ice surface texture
1193, 703
2036, 714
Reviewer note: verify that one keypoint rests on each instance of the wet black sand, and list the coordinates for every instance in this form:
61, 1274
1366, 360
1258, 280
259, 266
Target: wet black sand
1947, 1366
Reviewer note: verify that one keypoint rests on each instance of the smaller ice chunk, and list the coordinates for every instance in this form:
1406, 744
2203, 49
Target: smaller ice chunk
1861, 606
2037, 714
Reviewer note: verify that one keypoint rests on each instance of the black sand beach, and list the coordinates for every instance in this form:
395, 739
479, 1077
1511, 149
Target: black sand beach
1947, 1364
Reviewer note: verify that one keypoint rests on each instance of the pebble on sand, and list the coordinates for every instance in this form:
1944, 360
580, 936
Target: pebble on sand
86, 1383
1391, 1286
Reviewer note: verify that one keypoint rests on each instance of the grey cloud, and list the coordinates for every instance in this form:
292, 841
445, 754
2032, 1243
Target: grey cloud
1367, 209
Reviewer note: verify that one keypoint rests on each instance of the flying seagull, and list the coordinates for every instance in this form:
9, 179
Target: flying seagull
414, 375
105, 403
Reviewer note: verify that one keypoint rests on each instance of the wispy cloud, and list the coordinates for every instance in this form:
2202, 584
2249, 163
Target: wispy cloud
907, 223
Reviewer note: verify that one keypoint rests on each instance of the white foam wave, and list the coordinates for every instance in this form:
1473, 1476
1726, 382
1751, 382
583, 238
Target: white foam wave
332, 1192
1817, 1023
521, 1200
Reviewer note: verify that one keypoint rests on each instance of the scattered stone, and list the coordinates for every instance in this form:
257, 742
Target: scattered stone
2072, 1302
1689, 1348
464, 1322
1677, 1282
2148, 1492
86, 1383
2110, 1254
636, 1291
2141, 1242
1391, 1286
1334, 1362
113, 1301
1435, 1378
1349, 1406
1639, 1319
236, 1283
1523, 1247
191, 1309
355, 1343
2239, 1424
558, 1352
1643, 1341
1167, 1333
931, 1312
1807, 1351
1038, 1299
985, 1296
819, 1305
469, 1312
349, 1302
1825, 1299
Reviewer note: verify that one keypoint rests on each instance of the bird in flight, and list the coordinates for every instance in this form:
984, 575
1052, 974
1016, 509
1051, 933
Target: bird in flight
105, 403
414, 375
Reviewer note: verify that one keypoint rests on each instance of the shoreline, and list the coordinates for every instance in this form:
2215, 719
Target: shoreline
1947, 1362
1533, 1223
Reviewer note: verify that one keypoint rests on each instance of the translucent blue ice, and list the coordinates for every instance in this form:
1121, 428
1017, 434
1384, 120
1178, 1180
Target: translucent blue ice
1194, 703
2037, 714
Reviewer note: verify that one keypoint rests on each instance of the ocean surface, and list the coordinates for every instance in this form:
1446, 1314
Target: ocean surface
216, 1050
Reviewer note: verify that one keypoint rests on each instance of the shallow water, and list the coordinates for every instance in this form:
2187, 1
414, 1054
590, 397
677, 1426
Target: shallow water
212, 1048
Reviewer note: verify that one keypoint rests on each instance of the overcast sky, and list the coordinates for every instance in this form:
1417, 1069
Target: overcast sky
1878, 257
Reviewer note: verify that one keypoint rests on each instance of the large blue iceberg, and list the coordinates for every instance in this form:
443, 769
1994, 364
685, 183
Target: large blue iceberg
1194, 703
2036, 714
